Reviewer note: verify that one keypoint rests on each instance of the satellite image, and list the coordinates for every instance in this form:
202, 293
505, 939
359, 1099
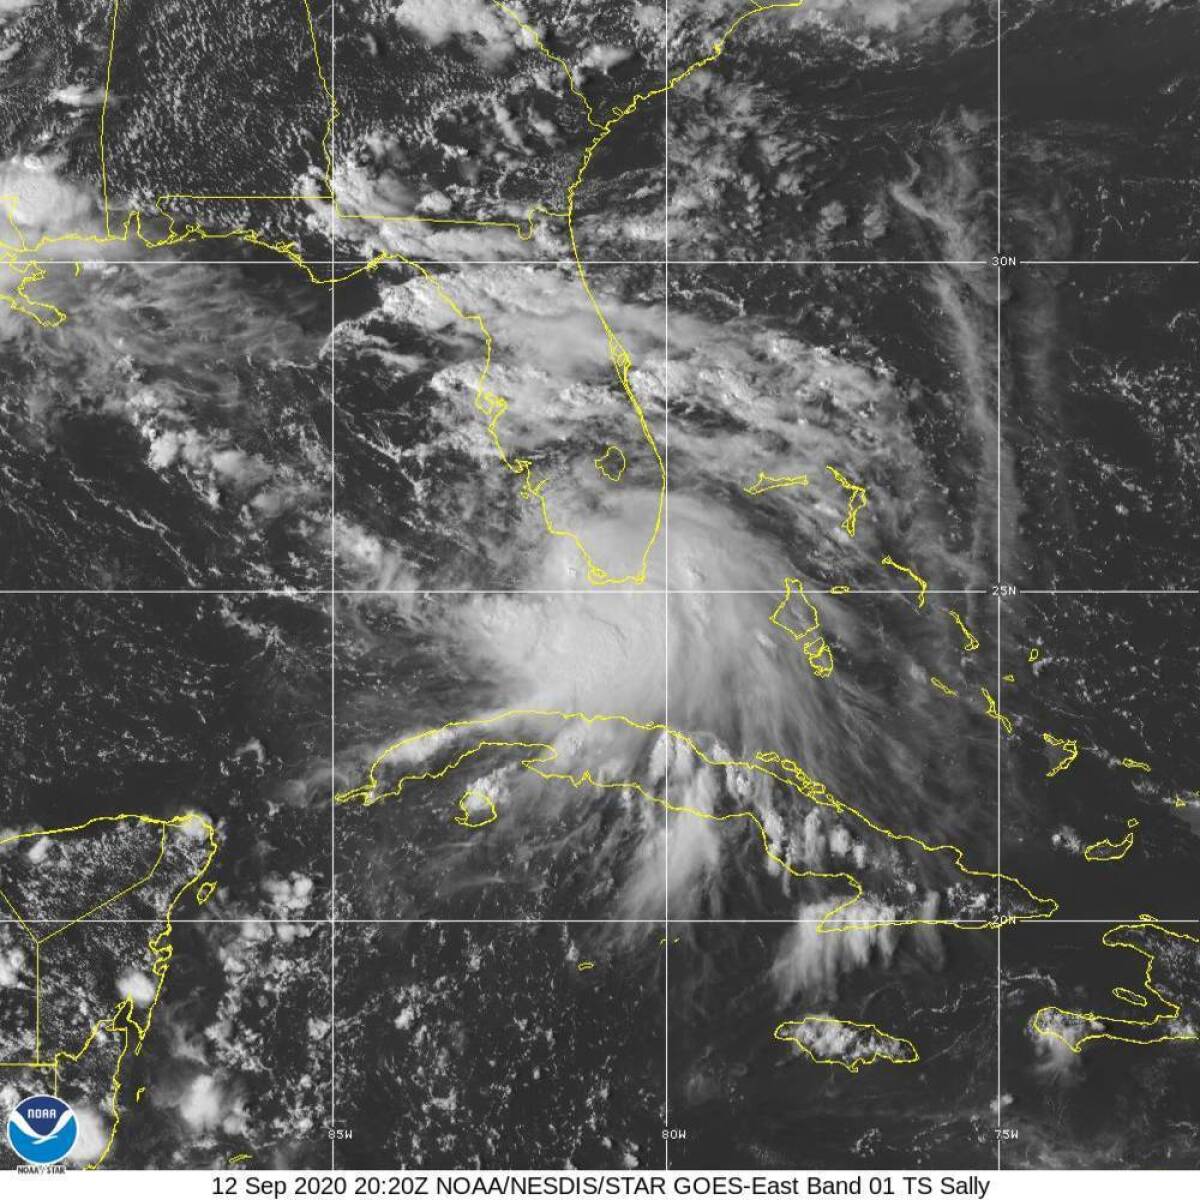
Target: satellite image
600, 584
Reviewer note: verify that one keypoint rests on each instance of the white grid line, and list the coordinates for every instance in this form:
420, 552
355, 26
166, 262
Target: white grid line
666, 269
999, 784
566, 264
569, 263
333, 591
649, 922
999, 568
302, 593
1110, 591
332, 165
1108, 262
366, 593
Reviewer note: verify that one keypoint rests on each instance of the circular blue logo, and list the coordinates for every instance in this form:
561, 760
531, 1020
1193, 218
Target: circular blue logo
42, 1129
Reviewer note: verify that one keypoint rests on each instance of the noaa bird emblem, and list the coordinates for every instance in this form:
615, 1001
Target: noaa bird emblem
42, 1129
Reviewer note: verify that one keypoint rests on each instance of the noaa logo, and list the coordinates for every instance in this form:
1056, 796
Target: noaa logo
42, 1129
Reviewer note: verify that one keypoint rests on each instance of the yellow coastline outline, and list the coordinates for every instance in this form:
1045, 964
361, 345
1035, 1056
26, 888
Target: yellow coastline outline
922, 585
602, 463
1070, 749
30, 271
1114, 939
858, 500
772, 483
120, 1022
854, 1064
766, 763
21, 257
1130, 997
816, 649
993, 711
970, 641
464, 817
1109, 851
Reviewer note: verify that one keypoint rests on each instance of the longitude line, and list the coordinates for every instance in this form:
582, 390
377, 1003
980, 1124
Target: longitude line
666, 743
999, 580
333, 589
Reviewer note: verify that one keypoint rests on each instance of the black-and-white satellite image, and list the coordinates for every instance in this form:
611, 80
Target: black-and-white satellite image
599, 584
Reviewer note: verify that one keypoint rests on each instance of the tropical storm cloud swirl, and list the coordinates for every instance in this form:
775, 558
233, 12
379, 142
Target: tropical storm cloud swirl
600, 585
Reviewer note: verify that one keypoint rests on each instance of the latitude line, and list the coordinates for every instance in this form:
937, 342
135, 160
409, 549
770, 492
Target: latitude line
568, 263
666, 592
1109, 262
292, 593
565, 263
1109, 592
305, 593
653, 922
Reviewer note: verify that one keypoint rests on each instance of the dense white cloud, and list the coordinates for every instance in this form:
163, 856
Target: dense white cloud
480, 26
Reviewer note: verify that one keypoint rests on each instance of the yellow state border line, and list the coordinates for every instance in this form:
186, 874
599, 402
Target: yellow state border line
487, 403
121, 1020
1113, 940
140, 817
162, 852
789, 773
